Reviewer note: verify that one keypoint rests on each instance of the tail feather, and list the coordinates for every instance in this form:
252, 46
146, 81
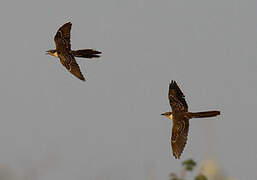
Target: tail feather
204, 114
86, 53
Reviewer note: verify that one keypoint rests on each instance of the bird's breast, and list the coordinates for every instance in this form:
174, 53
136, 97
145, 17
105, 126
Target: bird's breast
171, 117
55, 54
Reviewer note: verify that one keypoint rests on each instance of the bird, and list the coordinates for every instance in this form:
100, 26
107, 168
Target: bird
180, 117
66, 55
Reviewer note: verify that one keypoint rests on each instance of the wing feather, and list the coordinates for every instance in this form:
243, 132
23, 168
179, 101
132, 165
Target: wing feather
177, 98
62, 37
179, 137
69, 62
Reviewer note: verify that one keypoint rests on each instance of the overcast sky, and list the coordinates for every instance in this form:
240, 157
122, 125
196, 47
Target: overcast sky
56, 127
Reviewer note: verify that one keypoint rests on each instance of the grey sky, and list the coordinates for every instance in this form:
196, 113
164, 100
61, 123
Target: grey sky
55, 127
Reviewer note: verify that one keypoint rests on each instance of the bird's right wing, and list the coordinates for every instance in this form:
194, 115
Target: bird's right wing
179, 136
177, 98
69, 62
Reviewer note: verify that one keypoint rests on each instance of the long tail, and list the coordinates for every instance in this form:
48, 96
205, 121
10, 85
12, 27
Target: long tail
86, 53
204, 114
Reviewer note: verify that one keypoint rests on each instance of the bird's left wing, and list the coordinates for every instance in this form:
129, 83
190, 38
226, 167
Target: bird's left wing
62, 37
177, 98
179, 136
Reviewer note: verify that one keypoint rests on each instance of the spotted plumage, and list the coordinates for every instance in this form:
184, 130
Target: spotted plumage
66, 55
180, 118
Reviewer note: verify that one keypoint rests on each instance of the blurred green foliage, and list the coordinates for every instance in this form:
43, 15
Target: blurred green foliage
187, 166
200, 177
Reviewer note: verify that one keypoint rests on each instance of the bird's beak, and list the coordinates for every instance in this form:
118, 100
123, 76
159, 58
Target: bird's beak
162, 114
47, 52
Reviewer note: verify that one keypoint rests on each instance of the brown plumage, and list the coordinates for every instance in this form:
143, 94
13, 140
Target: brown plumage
180, 118
66, 55
86, 53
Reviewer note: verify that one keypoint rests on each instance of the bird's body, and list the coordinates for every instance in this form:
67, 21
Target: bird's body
180, 118
82, 53
66, 55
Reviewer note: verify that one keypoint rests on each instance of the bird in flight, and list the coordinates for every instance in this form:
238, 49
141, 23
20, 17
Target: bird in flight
66, 55
180, 118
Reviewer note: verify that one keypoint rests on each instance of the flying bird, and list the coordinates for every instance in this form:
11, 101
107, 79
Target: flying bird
66, 55
180, 118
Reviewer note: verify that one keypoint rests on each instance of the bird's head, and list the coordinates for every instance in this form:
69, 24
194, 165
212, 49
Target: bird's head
167, 114
52, 52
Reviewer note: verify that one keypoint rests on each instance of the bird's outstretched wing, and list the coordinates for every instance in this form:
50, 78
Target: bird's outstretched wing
62, 37
179, 136
69, 62
177, 98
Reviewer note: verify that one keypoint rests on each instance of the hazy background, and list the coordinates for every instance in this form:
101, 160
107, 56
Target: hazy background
55, 127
